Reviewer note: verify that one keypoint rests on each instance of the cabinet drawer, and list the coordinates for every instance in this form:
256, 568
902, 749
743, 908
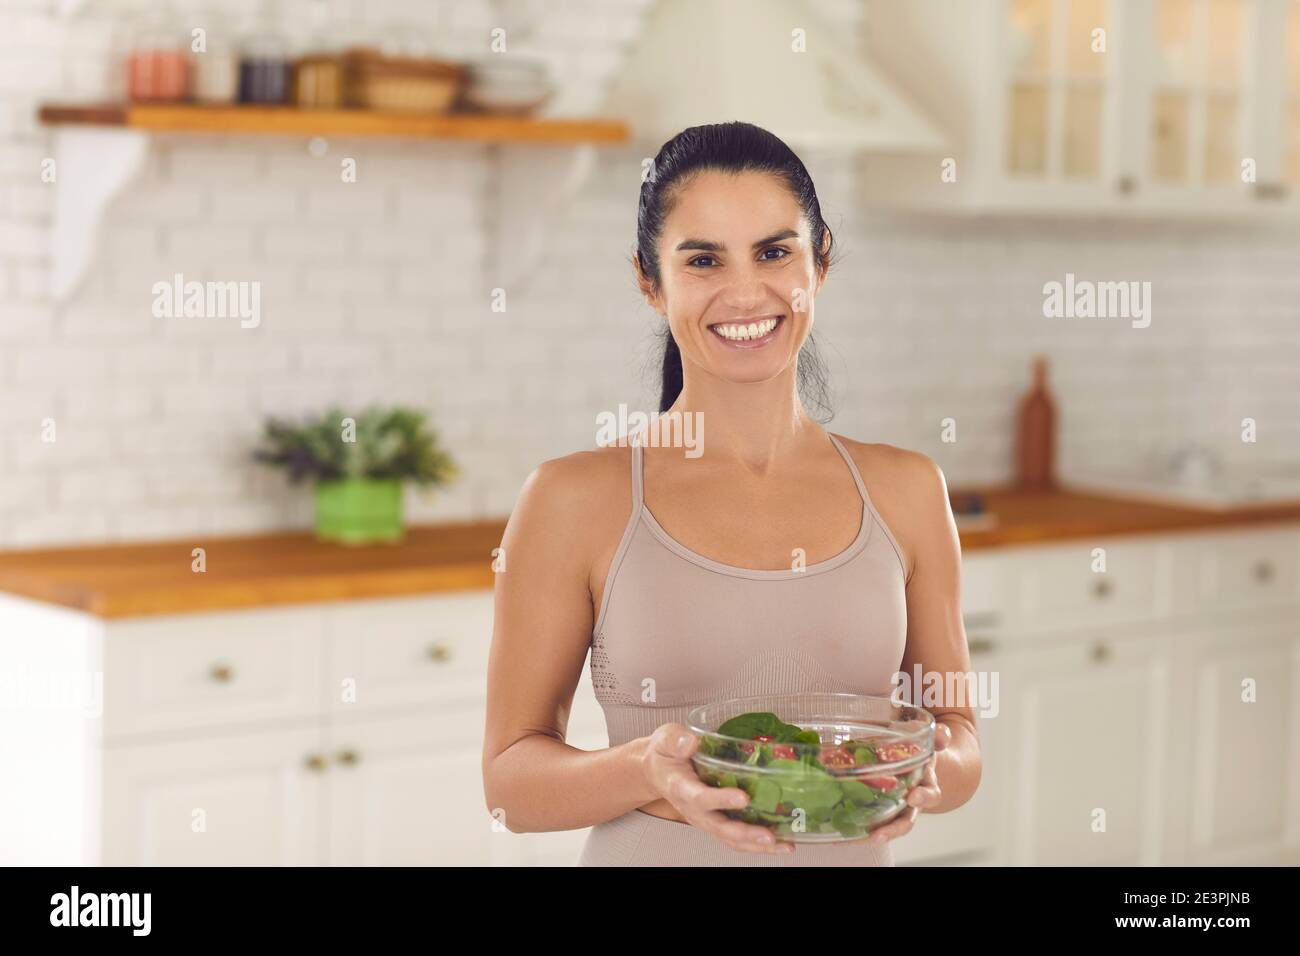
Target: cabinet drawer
1259, 569
211, 670
1059, 587
407, 651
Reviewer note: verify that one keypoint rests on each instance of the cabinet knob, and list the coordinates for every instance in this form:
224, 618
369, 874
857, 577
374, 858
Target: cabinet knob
982, 645
439, 652
315, 762
349, 758
222, 673
1102, 588
1270, 191
1100, 652
1126, 185
1263, 571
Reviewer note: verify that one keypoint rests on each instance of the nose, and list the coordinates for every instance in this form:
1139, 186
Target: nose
746, 290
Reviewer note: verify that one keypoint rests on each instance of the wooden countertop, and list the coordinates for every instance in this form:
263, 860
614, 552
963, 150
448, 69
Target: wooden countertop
136, 580
1046, 517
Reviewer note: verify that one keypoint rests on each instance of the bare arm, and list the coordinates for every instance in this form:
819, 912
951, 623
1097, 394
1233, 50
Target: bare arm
936, 636
541, 629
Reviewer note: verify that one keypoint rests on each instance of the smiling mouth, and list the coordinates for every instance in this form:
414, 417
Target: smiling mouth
748, 334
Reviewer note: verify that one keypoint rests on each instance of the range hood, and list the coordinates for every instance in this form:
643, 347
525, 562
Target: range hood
712, 61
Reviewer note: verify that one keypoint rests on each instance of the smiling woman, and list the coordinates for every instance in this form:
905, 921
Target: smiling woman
761, 567
733, 150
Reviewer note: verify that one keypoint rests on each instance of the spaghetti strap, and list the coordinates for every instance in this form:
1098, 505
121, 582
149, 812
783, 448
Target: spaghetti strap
629, 531
638, 477
867, 506
853, 468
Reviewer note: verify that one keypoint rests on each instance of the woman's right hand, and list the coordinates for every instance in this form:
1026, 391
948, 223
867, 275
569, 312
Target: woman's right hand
667, 765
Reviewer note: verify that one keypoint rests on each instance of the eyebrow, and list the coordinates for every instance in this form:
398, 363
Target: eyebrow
707, 245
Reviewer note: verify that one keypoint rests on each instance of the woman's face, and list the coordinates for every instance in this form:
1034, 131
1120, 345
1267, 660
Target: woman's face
737, 275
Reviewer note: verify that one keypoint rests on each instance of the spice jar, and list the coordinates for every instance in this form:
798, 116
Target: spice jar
318, 79
214, 77
157, 68
264, 71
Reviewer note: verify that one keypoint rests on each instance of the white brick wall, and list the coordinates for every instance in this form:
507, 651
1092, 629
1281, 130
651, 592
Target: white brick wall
377, 292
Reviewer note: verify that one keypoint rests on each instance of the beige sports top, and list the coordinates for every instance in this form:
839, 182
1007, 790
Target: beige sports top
677, 629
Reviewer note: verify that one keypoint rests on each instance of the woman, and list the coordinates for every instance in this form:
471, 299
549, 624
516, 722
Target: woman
760, 565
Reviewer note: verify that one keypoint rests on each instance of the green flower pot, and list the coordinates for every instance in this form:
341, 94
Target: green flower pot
359, 510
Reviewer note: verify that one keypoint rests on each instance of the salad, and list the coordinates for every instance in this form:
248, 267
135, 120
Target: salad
806, 790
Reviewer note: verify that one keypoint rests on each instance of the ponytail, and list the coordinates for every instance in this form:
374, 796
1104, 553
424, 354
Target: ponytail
672, 374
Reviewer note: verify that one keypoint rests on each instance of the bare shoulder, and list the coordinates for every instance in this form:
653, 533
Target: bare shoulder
574, 479
908, 491
910, 473
574, 498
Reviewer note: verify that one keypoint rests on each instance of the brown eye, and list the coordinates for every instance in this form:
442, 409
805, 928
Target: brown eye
696, 261
783, 253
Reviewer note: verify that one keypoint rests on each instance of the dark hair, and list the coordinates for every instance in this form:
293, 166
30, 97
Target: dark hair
734, 148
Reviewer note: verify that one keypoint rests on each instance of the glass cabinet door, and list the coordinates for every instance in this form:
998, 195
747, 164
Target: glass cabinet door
1200, 65
1291, 102
1058, 80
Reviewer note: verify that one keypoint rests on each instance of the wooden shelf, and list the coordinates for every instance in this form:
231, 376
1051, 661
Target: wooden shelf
290, 121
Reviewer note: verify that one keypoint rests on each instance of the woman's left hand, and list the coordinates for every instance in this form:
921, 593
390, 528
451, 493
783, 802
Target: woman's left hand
924, 794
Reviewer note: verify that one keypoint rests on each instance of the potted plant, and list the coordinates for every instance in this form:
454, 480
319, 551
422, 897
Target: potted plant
358, 464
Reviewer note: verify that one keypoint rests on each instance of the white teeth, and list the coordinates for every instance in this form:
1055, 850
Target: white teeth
741, 333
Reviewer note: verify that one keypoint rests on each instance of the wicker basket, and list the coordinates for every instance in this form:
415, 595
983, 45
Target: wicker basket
401, 84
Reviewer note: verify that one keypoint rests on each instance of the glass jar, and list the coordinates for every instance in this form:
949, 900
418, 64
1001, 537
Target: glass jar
318, 78
265, 71
157, 66
214, 76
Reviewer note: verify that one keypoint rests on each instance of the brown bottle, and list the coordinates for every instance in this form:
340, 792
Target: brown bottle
1036, 434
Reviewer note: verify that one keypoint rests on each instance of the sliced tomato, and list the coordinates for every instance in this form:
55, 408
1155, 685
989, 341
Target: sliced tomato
835, 758
784, 752
901, 750
886, 784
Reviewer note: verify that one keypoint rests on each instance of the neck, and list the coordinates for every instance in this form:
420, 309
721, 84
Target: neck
755, 424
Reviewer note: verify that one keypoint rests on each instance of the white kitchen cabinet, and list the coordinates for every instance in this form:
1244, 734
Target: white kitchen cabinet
1248, 572
211, 670
1148, 104
341, 734
1089, 583
253, 799
1087, 724
408, 791
1243, 787
407, 652
1054, 104
1168, 107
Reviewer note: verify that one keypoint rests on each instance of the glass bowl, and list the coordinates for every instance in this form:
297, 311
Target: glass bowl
818, 768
